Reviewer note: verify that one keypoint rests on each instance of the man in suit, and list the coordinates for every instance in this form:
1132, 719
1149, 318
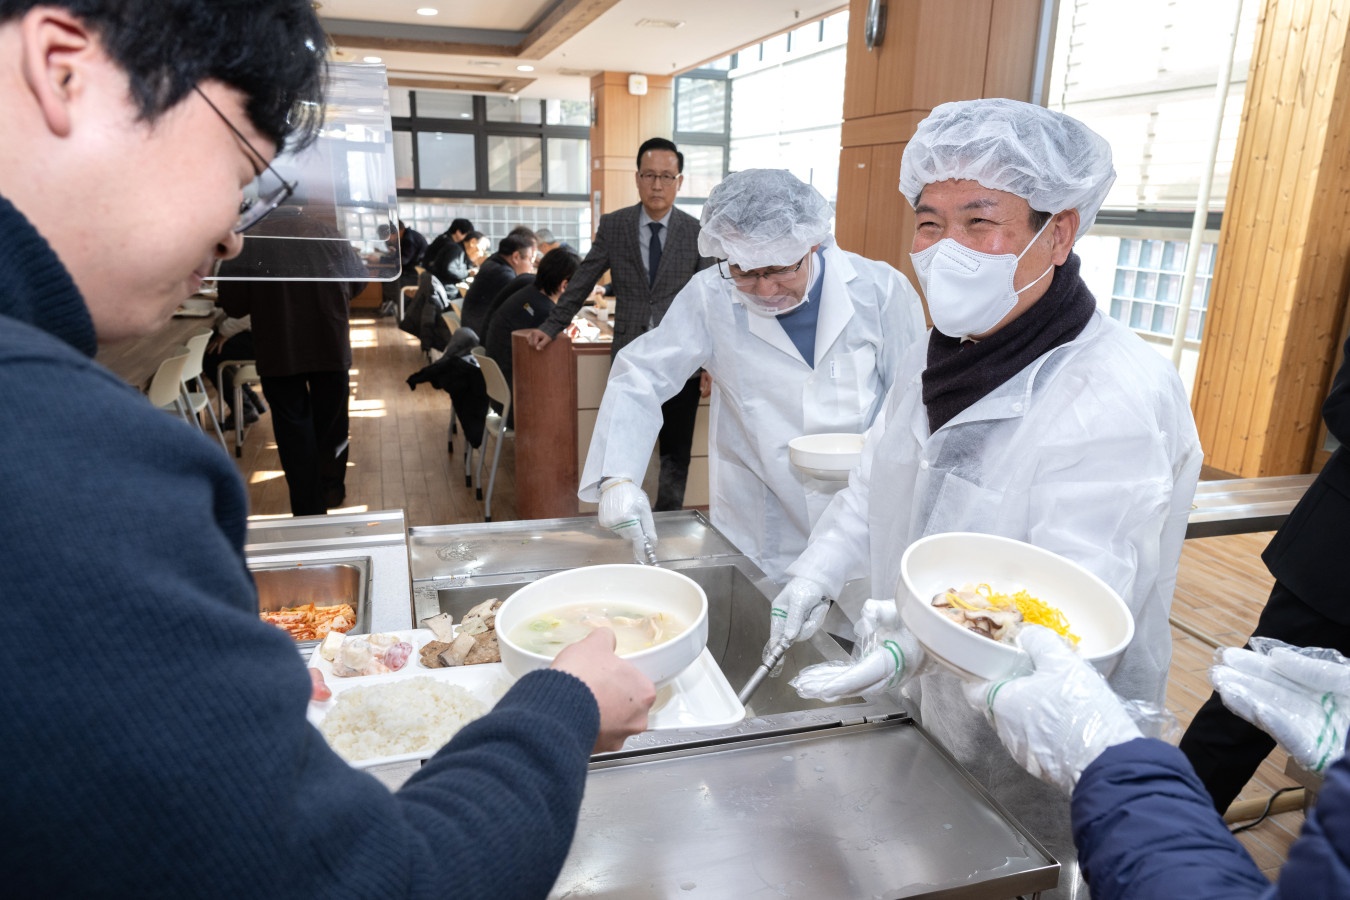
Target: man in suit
651, 252
1307, 606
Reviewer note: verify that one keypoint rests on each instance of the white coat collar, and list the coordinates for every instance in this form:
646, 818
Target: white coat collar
836, 309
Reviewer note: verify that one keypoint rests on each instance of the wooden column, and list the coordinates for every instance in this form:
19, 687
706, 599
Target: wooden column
932, 51
1272, 334
622, 122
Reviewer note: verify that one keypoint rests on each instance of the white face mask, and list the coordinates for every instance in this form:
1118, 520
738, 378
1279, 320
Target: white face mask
778, 304
969, 292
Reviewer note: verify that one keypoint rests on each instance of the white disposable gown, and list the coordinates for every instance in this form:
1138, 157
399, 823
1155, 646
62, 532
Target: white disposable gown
1090, 452
764, 394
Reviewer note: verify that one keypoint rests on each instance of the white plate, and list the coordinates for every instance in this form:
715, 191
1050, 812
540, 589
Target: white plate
699, 699
185, 313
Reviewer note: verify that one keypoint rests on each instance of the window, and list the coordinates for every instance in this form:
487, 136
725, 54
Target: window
568, 165
444, 105
704, 168
513, 109
1147, 290
445, 161
450, 145
515, 164
567, 112
405, 174
701, 105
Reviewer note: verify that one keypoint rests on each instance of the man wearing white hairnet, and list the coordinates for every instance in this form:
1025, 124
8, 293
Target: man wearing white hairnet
1026, 413
799, 336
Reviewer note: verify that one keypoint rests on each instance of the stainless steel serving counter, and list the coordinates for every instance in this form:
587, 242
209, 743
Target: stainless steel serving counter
800, 800
380, 537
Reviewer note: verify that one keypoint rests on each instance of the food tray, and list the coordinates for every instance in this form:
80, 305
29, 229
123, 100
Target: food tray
699, 699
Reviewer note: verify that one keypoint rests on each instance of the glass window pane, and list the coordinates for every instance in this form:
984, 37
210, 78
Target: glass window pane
445, 161
515, 164
701, 105
400, 104
444, 105
1126, 254
1169, 288
1122, 286
836, 28
569, 165
1146, 285
567, 112
703, 167
1137, 311
514, 109
403, 161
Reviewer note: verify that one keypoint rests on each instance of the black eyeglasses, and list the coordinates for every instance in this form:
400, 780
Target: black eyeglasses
253, 209
662, 177
750, 279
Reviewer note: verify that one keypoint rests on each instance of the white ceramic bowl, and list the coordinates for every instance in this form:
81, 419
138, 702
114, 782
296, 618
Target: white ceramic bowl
829, 457
646, 586
933, 564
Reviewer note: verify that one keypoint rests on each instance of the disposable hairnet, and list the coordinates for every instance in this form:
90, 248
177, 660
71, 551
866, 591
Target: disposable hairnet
1051, 160
763, 217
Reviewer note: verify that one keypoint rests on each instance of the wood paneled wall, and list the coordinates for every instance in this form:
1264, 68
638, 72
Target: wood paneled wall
932, 51
1272, 335
622, 122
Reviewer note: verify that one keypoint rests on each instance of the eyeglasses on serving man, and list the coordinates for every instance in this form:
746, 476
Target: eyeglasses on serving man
661, 178
749, 279
257, 203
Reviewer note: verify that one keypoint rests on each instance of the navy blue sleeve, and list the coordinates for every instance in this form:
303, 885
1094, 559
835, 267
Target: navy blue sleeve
1145, 827
1319, 861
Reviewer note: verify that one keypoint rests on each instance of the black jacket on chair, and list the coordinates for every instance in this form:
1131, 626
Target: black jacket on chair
1308, 553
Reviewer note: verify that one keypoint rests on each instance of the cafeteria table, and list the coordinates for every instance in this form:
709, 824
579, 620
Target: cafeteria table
136, 360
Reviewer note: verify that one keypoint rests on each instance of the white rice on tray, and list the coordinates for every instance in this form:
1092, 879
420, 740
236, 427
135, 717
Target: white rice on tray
413, 715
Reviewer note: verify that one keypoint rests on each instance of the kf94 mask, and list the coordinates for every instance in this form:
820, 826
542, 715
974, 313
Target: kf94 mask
969, 292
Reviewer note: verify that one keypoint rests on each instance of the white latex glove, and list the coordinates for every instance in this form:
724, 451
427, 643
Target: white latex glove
625, 510
1059, 718
889, 655
797, 612
1299, 695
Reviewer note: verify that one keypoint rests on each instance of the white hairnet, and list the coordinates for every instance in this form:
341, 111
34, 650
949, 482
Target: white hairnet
763, 217
1051, 160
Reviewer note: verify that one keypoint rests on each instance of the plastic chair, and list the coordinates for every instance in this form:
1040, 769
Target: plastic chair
245, 372
495, 425
166, 387
198, 401
451, 320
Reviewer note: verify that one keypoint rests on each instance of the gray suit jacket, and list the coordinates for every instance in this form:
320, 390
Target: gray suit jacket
616, 249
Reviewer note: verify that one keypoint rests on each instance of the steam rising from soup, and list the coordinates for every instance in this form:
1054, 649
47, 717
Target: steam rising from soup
635, 628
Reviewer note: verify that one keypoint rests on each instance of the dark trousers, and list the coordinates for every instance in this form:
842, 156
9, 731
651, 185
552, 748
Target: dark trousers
674, 442
309, 420
1224, 748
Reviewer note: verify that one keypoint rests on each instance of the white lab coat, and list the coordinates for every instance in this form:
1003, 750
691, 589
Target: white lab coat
1090, 452
764, 395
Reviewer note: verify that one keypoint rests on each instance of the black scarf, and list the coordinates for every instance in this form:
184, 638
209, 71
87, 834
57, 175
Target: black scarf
958, 375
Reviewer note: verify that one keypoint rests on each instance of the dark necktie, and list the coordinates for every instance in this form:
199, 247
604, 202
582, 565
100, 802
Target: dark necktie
653, 252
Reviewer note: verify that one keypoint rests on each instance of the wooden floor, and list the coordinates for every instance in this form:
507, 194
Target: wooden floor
399, 461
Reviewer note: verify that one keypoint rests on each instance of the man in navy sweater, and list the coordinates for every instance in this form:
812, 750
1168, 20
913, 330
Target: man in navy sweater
155, 735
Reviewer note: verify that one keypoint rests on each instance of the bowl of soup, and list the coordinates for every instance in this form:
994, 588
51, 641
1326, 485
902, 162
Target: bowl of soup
659, 618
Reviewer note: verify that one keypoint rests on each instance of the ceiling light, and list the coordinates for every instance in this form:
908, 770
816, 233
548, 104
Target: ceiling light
659, 23
427, 11
372, 59
524, 68
489, 63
